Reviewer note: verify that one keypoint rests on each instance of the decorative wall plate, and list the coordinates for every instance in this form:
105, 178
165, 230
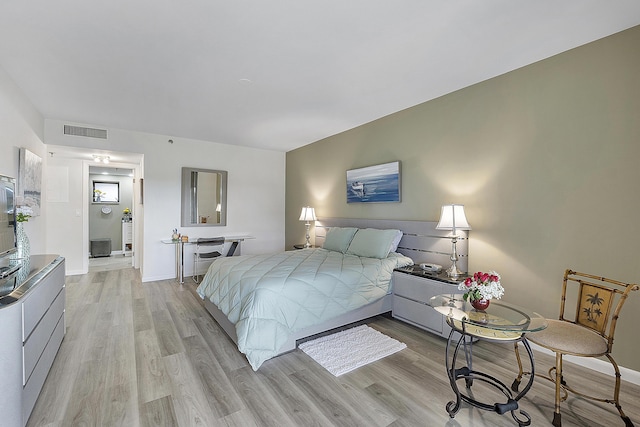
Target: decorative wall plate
106, 210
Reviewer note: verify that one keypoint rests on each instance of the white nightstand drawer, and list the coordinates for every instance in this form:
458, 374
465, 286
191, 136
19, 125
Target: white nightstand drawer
418, 314
416, 288
412, 293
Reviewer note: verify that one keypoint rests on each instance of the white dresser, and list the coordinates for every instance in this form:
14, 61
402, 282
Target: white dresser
127, 237
32, 320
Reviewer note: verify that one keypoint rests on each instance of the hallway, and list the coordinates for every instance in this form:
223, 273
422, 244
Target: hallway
113, 262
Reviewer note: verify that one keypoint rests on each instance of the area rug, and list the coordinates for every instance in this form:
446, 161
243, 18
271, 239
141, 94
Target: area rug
347, 350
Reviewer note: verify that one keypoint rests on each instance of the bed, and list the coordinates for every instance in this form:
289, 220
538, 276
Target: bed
266, 303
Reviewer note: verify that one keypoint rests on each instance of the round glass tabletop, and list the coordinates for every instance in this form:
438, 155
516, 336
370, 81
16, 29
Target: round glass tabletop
499, 316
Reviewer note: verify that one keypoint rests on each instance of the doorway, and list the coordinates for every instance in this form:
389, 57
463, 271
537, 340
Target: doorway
110, 218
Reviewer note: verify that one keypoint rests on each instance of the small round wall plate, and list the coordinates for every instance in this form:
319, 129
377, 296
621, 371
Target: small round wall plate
106, 210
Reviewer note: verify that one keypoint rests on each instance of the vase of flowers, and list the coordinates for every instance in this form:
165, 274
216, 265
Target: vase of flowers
481, 288
22, 240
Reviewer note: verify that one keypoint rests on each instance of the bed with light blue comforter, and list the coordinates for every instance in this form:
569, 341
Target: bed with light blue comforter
268, 297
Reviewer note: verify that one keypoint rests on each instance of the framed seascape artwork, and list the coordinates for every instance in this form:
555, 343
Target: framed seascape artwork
29, 182
374, 184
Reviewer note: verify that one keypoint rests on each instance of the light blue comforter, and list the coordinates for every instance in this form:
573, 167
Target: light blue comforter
268, 297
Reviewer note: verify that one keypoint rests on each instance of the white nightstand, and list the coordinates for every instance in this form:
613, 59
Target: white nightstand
412, 289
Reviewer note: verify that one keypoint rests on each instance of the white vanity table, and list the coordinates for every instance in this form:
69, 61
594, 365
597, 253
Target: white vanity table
234, 249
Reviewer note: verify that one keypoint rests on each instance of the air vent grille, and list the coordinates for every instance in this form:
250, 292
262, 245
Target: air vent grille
82, 131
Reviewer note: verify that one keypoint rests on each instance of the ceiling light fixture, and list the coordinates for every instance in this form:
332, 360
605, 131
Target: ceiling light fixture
101, 159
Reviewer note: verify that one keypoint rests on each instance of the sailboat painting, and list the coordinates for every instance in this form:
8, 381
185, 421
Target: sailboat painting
374, 184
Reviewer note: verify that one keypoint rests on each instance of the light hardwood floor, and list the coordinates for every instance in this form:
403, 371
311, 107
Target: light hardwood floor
148, 354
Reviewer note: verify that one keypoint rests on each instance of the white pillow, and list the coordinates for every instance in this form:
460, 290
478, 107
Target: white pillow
372, 243
338, 238
396, 241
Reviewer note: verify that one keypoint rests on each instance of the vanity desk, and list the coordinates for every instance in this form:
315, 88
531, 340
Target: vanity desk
32, 321
234, 250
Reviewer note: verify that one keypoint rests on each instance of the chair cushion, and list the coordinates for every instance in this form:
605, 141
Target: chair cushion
208, 254
569, 338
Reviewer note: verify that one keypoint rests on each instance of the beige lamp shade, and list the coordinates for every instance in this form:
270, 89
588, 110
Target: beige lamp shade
308, 214
452, 217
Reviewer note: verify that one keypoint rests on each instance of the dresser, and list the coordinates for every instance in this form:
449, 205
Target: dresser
32, 324
127, 237
412, 290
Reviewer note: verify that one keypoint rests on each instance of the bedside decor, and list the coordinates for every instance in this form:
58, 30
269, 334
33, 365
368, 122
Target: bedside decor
452, 218
308, 214
481, 288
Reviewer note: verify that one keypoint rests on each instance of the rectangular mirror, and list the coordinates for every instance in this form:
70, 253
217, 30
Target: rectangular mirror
106, 192
204, 197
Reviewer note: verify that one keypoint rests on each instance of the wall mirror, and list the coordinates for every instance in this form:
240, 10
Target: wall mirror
106, 192
204, 197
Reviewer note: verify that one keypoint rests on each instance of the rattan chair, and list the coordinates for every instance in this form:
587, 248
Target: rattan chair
589, 334
204, 252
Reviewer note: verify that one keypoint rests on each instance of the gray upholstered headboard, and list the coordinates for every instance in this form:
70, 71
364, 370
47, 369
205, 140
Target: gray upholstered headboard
421, 241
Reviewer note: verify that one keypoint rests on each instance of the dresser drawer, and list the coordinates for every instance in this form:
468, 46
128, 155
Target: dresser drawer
36, 304
32, 388
41, 335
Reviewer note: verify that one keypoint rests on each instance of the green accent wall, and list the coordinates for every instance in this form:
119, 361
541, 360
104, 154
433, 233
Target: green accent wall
544, 158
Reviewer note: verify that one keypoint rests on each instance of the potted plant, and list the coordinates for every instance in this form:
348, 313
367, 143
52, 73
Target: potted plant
481, 288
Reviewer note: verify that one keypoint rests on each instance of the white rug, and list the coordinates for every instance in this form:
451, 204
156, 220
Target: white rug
347, 350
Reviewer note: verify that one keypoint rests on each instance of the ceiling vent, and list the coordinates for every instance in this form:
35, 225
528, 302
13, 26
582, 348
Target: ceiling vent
88, 132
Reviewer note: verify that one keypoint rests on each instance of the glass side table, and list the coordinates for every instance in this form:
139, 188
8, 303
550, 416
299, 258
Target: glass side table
500, 322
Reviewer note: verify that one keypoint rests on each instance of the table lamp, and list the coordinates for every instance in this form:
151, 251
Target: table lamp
452, 218
308, 214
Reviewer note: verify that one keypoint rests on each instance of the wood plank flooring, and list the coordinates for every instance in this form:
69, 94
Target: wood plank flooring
150, 355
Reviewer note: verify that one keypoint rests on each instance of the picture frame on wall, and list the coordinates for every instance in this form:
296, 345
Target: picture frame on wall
29, 182
374, 184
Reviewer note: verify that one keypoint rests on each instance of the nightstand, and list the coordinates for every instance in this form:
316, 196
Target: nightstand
412, 290
301, 246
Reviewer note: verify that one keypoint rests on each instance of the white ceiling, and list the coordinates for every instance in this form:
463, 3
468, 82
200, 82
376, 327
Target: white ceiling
276, 74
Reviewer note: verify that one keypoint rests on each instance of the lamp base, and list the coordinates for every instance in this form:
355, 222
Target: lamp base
454, 271
308, 243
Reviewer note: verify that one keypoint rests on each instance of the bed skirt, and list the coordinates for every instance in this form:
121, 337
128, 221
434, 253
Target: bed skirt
381, 306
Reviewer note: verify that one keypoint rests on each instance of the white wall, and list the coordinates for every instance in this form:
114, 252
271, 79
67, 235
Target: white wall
255, 192
21, 125
64, 222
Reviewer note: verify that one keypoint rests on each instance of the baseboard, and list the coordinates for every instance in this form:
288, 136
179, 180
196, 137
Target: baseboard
157, 278
628, 375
